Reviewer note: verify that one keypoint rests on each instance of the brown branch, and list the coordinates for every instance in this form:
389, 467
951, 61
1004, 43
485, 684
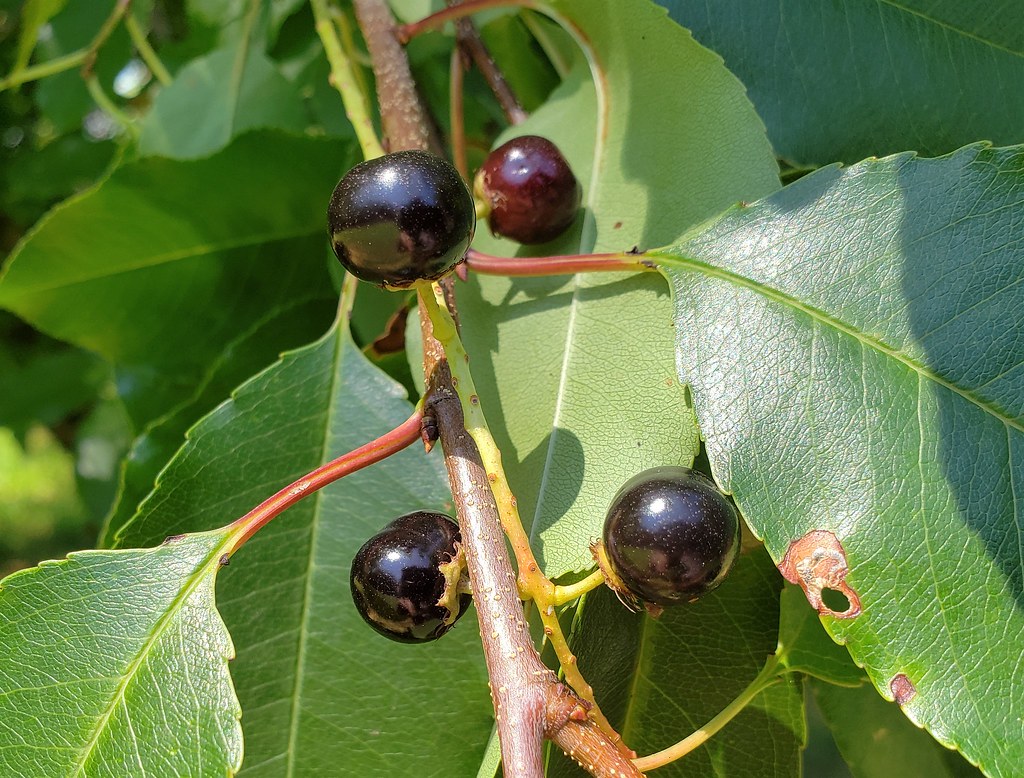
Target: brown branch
529, 701
472, 44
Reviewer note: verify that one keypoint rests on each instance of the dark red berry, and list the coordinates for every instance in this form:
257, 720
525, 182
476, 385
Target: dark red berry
397, 580
401, 218
530, 189
670, 536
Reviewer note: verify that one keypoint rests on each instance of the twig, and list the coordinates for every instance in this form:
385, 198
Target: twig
529, 702
105, 104
469, 41
402, 114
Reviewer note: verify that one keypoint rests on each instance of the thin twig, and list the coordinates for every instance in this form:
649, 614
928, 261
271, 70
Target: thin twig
568, 264
471, 43
456, 116
439, 19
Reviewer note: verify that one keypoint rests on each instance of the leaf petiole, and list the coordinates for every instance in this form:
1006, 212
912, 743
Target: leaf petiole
567, 264
768, 676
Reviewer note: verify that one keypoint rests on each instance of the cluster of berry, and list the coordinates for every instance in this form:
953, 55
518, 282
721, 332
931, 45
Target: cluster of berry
670, 535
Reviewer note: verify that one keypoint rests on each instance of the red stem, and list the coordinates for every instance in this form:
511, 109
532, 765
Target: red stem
406, 32
374, 451
567, 264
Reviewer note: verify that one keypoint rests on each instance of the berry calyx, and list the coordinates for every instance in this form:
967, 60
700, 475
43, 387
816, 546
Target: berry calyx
401, 218
670, 536
406, 580
530, 190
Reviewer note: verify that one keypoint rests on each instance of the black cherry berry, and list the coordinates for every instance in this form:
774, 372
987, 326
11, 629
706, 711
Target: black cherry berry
401, 218
530, 190
405, 580
670, 536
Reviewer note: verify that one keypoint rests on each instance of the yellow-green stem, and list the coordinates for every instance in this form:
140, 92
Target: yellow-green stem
532, 583
344, 79
767, 677
109, 107
84, 56
146, 52
570, 592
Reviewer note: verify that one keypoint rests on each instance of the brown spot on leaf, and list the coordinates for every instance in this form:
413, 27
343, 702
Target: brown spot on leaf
817, 561
392, 340
903, 691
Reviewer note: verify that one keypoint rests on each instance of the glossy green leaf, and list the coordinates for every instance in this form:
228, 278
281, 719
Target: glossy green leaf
115, 663
166, 262
286, 327
597, 349
217, 97
843, 81
853, 345
658, 680
877, 741
322, 693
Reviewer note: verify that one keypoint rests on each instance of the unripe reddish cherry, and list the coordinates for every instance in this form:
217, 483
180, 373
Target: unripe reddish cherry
529, 189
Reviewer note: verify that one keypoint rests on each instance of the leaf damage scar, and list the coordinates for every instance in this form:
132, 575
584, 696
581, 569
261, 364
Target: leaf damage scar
903, 690
817, 562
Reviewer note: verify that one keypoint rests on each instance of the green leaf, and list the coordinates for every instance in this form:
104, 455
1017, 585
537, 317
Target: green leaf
853, 345
115, 663
660, 679
877, 741
218, 97
320, 689
842, 81
805, 647
285, 327
597, 349
166, 262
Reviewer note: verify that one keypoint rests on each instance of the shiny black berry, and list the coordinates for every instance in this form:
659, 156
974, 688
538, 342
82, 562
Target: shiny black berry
400, 574
401, 218
530, 189
670, 536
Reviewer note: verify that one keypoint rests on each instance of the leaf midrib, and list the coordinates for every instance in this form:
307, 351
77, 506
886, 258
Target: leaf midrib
196, 578
950, 27
341, 341
189, 252
778, 296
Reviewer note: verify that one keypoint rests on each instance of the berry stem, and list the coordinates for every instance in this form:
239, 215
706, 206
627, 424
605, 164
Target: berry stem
768, 676
390, 443
145, 50
570, 592
343, 78
567, 264
109, 107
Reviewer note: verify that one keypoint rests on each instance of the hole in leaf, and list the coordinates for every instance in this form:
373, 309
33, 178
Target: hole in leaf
834, 600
